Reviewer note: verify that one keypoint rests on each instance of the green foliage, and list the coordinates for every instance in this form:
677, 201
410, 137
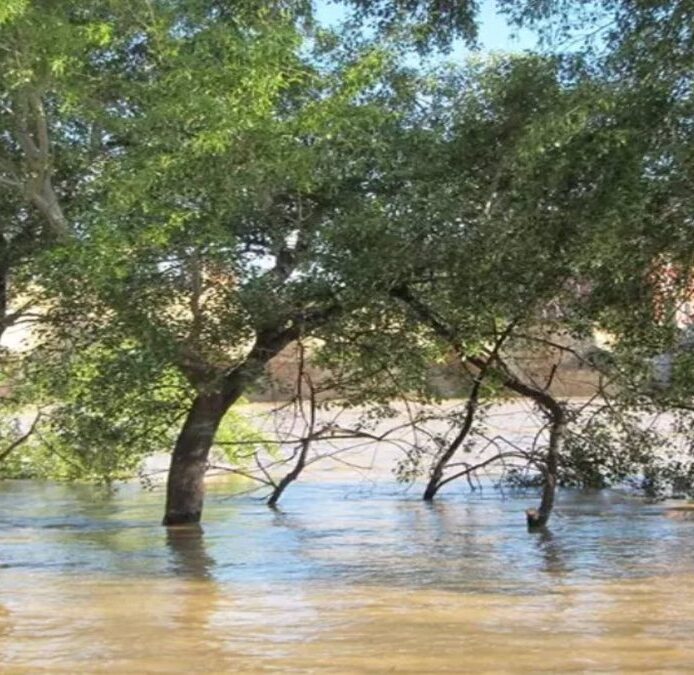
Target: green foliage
495, 190
108, 406
12, 9
238, 438
609, 448
189, 144
47, 457
104, 421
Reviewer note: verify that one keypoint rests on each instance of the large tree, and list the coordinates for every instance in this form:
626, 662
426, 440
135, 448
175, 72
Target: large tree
502, 230
211, 152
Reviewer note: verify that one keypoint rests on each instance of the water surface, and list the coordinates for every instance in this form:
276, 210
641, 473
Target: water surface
354, 577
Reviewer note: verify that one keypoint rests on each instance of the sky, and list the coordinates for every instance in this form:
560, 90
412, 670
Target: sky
495, 34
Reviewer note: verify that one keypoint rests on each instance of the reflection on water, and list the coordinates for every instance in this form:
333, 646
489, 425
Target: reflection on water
188, 552
341, 580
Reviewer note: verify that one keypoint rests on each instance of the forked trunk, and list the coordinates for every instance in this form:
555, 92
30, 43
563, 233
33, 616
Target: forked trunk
434, 481
543, 398
185, 490
290, 477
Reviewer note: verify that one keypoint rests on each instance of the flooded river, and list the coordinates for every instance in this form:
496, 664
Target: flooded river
349, 578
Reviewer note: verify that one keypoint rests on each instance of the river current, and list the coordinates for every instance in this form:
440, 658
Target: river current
349, 577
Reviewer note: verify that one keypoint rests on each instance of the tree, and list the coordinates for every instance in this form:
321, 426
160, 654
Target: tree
513, 190
226, 153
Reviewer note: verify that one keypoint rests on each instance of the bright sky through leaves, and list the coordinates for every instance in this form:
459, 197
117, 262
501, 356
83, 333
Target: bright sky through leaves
495, 33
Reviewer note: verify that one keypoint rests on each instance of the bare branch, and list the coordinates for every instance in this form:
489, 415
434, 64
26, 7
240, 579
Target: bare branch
21, 440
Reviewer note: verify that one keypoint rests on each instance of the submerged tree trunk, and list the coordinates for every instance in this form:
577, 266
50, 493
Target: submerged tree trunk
185, 491
539, 517
436, 479
303, 379
291, 476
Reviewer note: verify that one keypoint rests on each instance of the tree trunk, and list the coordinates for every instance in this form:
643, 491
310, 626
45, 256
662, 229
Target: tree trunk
435, 480
540, 517
290, 477
185, 490
442, 461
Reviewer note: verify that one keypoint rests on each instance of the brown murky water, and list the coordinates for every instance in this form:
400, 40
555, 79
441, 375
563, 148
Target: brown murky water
348, 579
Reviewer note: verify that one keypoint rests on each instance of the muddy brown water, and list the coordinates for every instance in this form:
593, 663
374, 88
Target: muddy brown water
348, 578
